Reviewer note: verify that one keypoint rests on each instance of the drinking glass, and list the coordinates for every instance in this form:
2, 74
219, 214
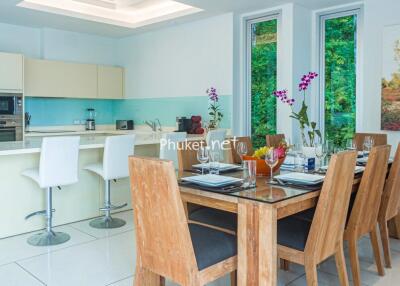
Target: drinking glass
202, 157
271, 158
249, 173
241, 150
214, 162
321, 152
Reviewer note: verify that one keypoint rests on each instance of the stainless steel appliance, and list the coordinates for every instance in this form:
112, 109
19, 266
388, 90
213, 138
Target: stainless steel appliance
184, 124
90, 121
11, 127
10, 104
125, 125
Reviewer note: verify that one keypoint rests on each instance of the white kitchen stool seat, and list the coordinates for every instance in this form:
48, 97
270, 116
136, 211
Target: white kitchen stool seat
58, 167
117, 149
169, 148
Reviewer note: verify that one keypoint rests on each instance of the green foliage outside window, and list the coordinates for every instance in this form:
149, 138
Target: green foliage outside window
340, 78
263, 81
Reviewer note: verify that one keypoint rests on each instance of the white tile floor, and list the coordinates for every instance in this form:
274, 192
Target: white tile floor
99, 257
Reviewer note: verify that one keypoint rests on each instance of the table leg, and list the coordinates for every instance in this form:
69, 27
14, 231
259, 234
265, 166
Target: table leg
144, 277
257, 244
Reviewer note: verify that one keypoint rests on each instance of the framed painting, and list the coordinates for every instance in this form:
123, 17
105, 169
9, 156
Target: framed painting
390, 116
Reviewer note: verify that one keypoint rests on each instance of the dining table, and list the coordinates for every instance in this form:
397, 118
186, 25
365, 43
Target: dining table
258, 210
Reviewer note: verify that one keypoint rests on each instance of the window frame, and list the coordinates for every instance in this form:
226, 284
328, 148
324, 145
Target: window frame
248, 22
322, 17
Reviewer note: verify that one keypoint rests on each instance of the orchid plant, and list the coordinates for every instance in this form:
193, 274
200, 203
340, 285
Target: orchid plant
301, 116
214, 108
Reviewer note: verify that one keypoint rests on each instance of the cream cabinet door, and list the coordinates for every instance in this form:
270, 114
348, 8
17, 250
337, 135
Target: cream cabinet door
110, 82
45, 78
11, 72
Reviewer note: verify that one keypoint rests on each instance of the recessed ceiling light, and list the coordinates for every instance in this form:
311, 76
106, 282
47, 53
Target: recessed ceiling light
126, 13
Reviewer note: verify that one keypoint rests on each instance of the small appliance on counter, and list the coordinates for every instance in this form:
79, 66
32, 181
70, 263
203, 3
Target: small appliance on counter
190, 125
125, 125
90, 121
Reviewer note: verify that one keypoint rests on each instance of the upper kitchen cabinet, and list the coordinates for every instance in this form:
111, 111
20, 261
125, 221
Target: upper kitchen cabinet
110, 82
11, 73
44, 78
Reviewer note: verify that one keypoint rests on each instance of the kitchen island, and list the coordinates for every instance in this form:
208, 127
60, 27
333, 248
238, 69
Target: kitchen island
21, 196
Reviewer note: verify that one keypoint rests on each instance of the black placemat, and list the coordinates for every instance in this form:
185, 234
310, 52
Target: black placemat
224, 190
316, 187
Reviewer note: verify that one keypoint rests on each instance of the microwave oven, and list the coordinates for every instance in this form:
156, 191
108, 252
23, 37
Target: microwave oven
10, 104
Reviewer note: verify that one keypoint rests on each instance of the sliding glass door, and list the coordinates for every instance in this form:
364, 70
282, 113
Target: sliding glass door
262, 77
338, 75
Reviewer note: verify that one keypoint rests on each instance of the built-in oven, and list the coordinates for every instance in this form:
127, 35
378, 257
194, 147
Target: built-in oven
10, 104
11, 128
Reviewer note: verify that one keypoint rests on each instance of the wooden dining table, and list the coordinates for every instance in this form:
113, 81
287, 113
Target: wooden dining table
258, 210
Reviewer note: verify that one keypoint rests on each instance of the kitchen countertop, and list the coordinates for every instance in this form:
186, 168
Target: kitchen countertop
89, 140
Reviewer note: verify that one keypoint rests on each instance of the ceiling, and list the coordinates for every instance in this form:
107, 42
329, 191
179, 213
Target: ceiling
12, 14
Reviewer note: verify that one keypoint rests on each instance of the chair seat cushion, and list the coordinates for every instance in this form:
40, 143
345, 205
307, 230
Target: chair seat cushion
214, 217
211, 246
293, 232
308, 215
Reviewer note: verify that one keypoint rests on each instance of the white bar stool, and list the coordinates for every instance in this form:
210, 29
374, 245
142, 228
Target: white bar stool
214, 140
117, 149
58, 167
169, 148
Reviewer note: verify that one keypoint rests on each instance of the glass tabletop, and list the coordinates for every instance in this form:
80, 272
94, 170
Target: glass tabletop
263, 192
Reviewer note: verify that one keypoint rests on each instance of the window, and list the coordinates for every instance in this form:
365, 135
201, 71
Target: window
262, 77
338, 76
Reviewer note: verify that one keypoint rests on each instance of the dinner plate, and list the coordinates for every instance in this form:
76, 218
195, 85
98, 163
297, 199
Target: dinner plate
222, 166
212, 180
357, 170
301, 178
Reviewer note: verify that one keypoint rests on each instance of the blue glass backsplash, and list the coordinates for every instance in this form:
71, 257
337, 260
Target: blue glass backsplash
62, 111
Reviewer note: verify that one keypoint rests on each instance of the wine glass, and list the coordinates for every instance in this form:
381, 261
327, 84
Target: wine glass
368, 144
271, 158
241, 150
350, 144
321, 152
202, 157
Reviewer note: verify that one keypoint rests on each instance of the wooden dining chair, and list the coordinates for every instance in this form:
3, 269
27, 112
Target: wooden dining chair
210, 217
275, 140
310, 242
364, 212
167, 246
379, 139
233, 145
187, 154
390, 205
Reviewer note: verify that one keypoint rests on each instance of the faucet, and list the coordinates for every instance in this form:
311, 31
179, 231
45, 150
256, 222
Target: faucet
153, 124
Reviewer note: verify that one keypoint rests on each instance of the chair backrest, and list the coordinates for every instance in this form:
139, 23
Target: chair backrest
169, 144
379, 139
274, 140
330, 216
117, 149
163, 241
187, 154
391, 194
364, 214
215, 140
59, 161
234, 143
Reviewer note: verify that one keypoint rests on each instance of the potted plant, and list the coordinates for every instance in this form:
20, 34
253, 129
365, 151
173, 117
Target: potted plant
214, 109
308, 130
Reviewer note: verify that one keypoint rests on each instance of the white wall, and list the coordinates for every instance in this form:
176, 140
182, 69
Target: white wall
377, 14
179, 61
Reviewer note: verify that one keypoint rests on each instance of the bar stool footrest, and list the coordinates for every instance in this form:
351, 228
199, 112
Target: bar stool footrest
38, 213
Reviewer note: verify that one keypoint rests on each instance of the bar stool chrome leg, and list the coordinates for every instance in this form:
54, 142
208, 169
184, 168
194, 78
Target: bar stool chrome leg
48, 237
107, 221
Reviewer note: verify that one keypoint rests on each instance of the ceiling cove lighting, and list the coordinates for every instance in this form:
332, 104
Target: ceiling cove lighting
125, 13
